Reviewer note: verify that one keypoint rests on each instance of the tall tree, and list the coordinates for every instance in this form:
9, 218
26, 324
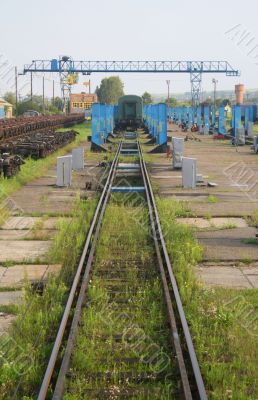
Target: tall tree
172, 101
110, 90
226, 102
10, 97
146, 97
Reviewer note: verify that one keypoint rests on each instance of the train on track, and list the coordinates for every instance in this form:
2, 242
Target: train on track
129, 113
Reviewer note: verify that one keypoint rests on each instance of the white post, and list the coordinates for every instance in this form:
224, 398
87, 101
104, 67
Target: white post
189, 173
178, 151
78, 158
64, 171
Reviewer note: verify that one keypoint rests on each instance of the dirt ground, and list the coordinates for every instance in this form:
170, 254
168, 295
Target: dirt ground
25, 238
221, 214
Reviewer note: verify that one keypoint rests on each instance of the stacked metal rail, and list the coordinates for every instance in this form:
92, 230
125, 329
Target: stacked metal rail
13, 127
191, 379
37, 144
32, 137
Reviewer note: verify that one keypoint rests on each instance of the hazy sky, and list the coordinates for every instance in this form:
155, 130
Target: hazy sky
131, 30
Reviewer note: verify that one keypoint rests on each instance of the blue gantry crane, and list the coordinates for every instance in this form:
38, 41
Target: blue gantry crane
66, 65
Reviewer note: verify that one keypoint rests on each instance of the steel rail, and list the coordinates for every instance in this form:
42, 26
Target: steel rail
62, 327
172, 319
60, 383
87, 258
187, 334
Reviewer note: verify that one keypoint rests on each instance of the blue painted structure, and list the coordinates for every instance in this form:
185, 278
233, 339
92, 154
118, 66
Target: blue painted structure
237, 120
222, 121
184, 114
155, 120
162, 124
179, 115
173, 110
213, 116
247, 113
2, 113
199, 116
193, 67
95, 125
134, 66
102, 122
54, 65
190, 117
206, 116
155, 117
128, 189
233, 117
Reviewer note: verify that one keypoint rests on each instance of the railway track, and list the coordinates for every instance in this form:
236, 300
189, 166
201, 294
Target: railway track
128, 336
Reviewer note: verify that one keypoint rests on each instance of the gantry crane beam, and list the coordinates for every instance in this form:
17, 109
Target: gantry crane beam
194, 68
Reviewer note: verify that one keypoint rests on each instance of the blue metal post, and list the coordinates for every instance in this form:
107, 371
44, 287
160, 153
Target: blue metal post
251, 113
156, 118
190, 117
148, 118
109, 119
206, 116
222, 121
199, 116
247, 113
176, 114
237, 119
95, 126
162, 124
151, 116
213, 116
183, 114
233, 117
179, 115
103, 130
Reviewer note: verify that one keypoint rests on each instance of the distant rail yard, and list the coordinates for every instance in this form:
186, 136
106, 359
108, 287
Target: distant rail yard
128, 201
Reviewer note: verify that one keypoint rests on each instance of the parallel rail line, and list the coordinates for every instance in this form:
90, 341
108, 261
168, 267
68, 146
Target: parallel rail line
191, 380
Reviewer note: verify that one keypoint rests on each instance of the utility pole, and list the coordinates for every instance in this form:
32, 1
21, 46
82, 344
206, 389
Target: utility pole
31, 88
43, 94
53, 92
214, 81
168, 84
16, 92
89, 86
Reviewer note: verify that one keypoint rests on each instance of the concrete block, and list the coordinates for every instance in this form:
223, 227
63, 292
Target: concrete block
199, 178
64, 171
206, 130
250, 130
189, 172
178, 151
240, 136
78, 158
255, 146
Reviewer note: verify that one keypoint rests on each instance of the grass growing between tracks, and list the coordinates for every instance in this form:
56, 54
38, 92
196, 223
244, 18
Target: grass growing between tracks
223, 322
122, 344
26, 348
33, 169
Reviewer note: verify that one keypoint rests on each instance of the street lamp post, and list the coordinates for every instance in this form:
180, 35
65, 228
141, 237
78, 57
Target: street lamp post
215, 81
43, 94
168, 84
16, 91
